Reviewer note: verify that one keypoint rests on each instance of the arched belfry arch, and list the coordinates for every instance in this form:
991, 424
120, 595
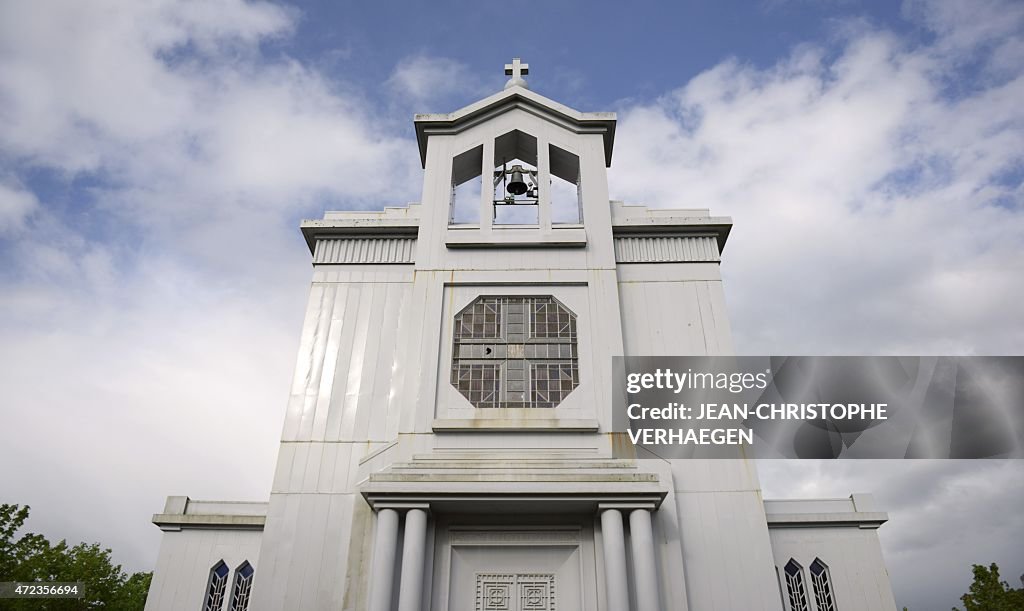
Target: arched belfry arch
566, 194
515, 158
467, 182
516, 144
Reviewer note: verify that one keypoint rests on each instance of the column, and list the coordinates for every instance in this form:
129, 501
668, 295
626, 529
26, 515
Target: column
645, 570
543, 185
410, 594
382, 576
487, 187
613, 543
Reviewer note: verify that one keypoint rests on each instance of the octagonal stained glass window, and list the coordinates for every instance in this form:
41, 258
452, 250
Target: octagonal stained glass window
515, 352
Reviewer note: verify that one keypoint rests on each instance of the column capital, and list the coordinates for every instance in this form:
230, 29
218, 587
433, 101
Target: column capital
400, 505
626, 506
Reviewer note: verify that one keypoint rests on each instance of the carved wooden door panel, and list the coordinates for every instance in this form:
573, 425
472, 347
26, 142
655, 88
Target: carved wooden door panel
515, 592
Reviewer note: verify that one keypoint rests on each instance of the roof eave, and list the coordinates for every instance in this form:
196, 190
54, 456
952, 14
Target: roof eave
515, 97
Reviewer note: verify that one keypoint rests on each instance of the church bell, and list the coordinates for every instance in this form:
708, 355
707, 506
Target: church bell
516, 183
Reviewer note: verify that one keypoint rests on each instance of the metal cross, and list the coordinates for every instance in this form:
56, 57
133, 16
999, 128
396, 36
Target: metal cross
517, 69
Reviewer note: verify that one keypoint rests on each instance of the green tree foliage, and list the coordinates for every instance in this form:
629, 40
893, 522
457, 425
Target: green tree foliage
33, 558
989, 593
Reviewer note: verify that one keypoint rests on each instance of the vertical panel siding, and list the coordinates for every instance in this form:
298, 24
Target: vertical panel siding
666, 249
365, 250
184, 563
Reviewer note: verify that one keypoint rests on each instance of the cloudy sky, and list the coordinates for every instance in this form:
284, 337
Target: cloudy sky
156, 157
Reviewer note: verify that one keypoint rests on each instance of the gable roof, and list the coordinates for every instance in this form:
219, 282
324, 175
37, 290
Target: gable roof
509, 99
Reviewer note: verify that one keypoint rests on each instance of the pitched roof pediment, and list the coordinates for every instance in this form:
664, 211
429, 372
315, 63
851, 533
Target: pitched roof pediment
509, 99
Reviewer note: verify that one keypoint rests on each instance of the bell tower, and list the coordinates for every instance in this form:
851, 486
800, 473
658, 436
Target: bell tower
516, 170
530, 179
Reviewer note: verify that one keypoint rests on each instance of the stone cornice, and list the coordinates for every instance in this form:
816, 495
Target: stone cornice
182, 512
859, 519
450, 479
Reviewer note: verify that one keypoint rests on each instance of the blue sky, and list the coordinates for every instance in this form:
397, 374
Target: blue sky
587, 53
155, 159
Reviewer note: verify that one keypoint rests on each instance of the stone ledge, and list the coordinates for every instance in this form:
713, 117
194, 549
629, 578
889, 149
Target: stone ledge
183, 512
505, 425
860, 519
490, 486
566, 237
514, 464
518, 476
362, 224
167, 521
641, 220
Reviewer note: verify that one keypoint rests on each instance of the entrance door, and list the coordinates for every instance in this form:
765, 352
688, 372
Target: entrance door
533, 568
515, 592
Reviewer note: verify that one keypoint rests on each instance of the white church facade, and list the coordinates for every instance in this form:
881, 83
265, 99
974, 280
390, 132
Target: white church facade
448, 438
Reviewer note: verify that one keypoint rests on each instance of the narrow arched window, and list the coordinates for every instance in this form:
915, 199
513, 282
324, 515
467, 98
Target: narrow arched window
795, 586
822, 585
214, 600
243, 586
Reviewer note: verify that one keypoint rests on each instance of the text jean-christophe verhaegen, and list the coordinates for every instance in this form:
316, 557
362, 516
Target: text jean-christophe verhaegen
704, 423
820, 407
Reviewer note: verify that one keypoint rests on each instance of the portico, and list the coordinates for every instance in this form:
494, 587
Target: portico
580, 504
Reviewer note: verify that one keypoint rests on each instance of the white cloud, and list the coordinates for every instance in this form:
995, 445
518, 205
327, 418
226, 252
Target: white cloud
963, 26
16, 205
426, 78
130, 396
199, 147
172, 103
76, 75
871, 207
